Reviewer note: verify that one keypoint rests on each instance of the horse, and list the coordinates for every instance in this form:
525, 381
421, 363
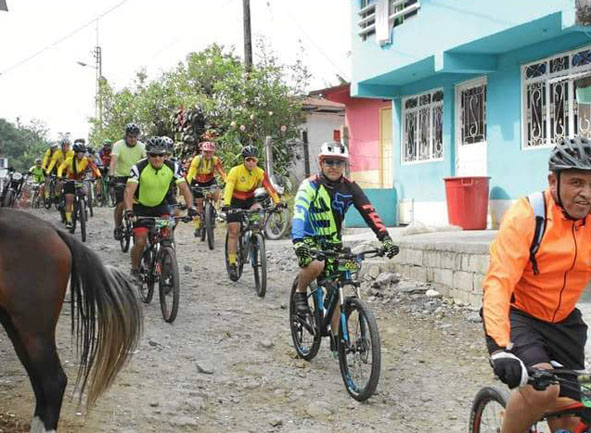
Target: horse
36, 263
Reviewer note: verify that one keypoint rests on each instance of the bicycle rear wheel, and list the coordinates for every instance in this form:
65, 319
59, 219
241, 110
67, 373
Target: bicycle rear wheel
258, 260
146, 276
169, 284
305, 332
239, 264
83, 216
359, 349
209, 224
74, 215
277, 224
488, 410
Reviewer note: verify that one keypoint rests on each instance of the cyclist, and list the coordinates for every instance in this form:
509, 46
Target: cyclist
38, 174
201, 174
75, 168
58, 157
171, 196
105, 155
529, 297
126, 152
241, 183
148, 183
48, 154
319, 211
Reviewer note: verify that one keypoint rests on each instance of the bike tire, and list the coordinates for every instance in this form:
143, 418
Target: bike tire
47, 200
74, 215
169, 284
90, 208
125, 236
239, 263
209, 224
146, 276
304, 330
277, 224
356, 349
83, 217
203, 229
258, 260
112, 197
488, 408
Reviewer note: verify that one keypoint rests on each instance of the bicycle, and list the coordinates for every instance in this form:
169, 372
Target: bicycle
209, 213
89, 184
79, 207
358, 340
51, 194
251, 245
36, 195
488, 407
158, 264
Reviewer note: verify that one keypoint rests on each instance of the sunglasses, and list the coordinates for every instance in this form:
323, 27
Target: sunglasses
155, 155
334, 162
250, 159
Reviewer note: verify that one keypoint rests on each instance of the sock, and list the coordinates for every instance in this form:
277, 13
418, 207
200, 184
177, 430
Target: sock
69, 217
197, 222
232, 258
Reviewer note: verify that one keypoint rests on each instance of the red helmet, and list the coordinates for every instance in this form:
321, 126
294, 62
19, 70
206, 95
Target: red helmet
208, 146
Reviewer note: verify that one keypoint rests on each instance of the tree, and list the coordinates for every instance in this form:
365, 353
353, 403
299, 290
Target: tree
21, 144
212, 91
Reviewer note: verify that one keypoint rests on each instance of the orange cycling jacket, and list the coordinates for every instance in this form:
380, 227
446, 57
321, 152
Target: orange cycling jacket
564, 263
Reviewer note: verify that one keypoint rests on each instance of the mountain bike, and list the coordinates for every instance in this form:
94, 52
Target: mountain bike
79, 207
209, 213
358, 340
251, 245
36, 195
488, 407
91, 201
51, 196
158, 264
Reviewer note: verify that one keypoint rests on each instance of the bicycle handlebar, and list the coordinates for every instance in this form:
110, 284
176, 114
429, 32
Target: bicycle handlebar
347, 254
541, 379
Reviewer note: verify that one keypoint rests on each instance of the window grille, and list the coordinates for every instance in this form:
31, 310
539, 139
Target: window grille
422, 127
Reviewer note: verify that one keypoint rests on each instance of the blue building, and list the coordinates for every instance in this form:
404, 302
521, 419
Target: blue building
478, 88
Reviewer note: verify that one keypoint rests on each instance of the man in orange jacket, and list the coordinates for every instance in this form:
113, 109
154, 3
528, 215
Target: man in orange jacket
529, 301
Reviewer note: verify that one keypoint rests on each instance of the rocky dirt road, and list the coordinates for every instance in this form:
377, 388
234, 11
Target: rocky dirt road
227, 364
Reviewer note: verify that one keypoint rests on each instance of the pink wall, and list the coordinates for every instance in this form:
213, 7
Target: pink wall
362, 117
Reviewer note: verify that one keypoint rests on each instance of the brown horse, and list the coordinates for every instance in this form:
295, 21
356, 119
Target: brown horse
36, 263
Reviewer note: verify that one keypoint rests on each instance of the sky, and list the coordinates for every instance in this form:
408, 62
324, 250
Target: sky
150, 34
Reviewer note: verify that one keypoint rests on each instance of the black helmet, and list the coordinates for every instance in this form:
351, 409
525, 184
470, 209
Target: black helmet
132, 129
155, 145
79, 146
571, 153
249, 151
80, 141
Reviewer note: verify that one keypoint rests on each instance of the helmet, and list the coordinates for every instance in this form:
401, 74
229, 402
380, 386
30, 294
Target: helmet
80, 141
132, 129
79, 146
249, 151
53, 145
65, 141
333, 149
37, 160
260, 195
156, 145
571, 153
107, 144
168, 143
209, 146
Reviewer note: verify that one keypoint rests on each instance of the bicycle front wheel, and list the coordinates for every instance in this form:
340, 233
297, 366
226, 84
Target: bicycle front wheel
169, 284
209, 224
359, 349
125, 239
305, 331
258, 260
146, 276
83, 217
488, 410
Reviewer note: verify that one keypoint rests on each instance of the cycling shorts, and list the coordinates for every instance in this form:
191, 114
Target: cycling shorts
239, 204
536, 341
162, 210
197, 194
119, 185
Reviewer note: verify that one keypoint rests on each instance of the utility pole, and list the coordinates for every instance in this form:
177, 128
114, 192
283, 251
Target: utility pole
247, 35
98, 57
306, 153
269, 157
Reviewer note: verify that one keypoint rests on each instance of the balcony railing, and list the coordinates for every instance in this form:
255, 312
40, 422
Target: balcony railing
398, 11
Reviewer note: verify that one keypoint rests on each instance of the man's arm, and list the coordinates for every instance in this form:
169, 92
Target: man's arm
130, 189
192, 171
270, 189
186, 192
301, 206
220, 169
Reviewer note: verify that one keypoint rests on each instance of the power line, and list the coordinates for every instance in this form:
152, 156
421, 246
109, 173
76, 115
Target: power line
59, 41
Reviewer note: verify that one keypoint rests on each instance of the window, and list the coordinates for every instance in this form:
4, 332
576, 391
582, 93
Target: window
422, 127
550, 111
471, 106
398, 12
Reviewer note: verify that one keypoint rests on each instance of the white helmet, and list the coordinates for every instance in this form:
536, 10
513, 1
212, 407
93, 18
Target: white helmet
333, 149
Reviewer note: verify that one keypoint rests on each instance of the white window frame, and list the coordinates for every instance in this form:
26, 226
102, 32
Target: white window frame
561, 76
406, 111
397, 9
479, 82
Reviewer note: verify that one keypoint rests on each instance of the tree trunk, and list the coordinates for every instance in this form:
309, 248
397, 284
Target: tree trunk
583, 12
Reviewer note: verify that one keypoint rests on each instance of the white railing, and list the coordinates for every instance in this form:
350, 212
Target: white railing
397, 9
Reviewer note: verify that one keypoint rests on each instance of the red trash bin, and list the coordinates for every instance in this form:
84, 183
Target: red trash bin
467, 201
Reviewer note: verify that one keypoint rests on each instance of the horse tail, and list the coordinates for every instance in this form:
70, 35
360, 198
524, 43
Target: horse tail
106, 318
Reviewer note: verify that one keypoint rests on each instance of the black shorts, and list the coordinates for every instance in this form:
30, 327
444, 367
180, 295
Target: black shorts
536, 341
197, 194
239, 204
119, 183
140, 210
69, 188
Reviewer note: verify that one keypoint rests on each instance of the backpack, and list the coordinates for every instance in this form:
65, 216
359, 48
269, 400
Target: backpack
538, 204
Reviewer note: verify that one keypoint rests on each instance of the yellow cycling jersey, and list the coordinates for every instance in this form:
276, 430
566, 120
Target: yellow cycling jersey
58, 158
241, 184
75, 168
47, 158
202, 170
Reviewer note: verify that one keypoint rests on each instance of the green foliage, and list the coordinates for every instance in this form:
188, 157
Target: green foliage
240, 107
21, 144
